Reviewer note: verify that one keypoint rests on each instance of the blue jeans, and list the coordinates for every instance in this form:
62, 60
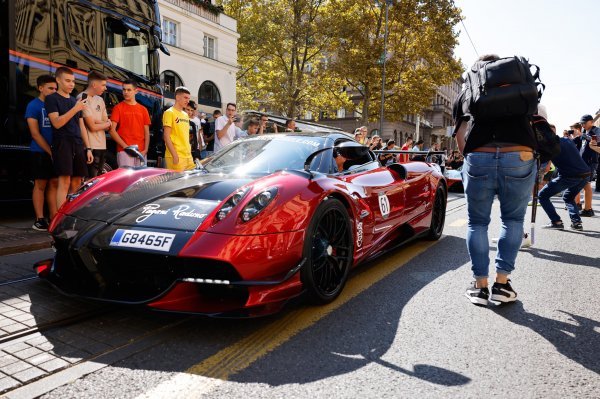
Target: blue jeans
487, 175
572, 187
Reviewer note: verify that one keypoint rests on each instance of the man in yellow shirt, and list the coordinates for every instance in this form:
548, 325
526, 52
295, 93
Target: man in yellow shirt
176, 129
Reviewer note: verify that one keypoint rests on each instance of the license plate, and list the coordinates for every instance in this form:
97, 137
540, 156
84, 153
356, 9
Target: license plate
151, 240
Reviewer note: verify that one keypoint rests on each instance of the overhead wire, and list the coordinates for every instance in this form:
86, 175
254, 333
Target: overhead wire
469, 36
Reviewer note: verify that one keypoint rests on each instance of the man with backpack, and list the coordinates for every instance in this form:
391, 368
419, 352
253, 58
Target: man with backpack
493, 131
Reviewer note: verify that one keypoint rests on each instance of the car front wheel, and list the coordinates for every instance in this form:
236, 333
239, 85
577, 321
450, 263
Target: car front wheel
328, 251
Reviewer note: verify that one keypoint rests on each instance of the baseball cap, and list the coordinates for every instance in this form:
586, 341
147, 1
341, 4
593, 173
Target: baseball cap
586, 118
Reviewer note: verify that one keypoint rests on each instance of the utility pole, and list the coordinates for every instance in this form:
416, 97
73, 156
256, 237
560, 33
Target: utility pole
383, 60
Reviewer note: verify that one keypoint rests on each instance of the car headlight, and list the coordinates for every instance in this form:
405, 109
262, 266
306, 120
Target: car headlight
258, 203
231, 203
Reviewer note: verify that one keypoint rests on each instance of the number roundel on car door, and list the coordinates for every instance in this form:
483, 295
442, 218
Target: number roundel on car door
384, 205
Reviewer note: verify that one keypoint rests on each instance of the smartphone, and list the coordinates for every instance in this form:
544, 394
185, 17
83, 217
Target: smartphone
83, 96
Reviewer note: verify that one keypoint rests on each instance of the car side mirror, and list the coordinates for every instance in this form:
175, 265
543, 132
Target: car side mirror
351, 150
134, 151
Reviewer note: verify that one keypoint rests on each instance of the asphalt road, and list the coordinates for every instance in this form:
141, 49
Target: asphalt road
402, 328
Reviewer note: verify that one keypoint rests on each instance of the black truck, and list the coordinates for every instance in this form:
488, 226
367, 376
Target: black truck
121, 39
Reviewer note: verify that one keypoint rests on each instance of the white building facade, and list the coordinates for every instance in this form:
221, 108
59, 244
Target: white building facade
203, 47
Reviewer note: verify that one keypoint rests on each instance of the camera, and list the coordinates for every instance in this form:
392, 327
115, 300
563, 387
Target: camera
83, 96
236, 119
570, 132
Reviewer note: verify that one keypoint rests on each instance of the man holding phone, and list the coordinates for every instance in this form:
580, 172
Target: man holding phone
589, 153
225, 128
70, 146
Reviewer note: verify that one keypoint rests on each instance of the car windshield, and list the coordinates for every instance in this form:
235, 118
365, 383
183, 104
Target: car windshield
264, 154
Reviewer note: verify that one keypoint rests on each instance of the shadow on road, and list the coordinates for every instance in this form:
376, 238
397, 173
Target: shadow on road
363, 330
579, 341
565, 257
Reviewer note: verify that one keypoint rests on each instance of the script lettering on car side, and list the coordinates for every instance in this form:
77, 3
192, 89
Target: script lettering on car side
359, 234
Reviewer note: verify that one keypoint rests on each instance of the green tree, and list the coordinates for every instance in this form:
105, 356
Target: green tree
419, 52
283, 54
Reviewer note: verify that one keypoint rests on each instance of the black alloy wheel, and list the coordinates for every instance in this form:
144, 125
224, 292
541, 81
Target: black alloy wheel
438, 216
328, 250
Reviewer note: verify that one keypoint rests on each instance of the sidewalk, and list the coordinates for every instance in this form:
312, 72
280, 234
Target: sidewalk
16, 238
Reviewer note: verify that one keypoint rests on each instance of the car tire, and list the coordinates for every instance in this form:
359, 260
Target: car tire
438, 216
329, 251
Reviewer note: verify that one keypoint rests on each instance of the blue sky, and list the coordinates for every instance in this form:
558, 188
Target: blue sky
561, 37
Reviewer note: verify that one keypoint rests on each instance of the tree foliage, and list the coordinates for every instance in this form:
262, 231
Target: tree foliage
282, 53
296, 55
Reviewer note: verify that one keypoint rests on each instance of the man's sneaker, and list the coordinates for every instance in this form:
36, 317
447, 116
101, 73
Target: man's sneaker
40, 225
503, 293
478, 296
577, 226
555, 225
587, 212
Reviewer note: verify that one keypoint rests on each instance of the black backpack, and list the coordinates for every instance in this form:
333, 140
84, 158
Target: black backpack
548, 143
502, 88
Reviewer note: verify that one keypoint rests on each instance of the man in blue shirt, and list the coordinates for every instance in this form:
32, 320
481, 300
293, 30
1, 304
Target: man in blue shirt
573, 175
45, 182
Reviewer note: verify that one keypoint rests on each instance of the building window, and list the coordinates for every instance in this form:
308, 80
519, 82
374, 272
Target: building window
308, 115
169, 29
210, 48
169, 80
341, 113
208, 94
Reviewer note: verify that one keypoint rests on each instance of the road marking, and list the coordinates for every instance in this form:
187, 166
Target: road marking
458, 223
243, 353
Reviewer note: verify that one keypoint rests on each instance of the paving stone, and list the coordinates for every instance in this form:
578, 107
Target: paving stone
16, 347
24, 317
30, 323
41, 358
54, 364
14, 328
27, 353
7, 382
12, 313
76, 356
15, 367
28, 374
4, 321
5, 360
40, 339
13, 301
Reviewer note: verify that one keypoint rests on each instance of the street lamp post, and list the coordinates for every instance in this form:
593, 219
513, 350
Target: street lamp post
383, 60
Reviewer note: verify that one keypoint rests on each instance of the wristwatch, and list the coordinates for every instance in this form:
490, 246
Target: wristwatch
88, 149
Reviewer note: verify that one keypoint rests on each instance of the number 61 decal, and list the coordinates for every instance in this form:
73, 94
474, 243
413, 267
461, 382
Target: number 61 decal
384, 205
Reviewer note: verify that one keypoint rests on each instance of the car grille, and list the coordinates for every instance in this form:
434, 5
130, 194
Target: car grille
136, 276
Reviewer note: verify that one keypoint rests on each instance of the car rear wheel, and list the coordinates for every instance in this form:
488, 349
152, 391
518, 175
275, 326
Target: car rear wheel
328, 251
438, 216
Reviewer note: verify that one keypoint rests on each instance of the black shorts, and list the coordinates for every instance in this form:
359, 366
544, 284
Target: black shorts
69, 157
95, 168
41, 166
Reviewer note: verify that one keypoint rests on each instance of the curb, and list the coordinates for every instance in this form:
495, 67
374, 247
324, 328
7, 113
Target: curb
25, 247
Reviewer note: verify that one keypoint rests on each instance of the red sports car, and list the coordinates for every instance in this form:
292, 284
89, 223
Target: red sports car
266, 219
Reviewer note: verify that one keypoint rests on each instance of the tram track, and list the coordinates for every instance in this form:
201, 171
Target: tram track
18, 280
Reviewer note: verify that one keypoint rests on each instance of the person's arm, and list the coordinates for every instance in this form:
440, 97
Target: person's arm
59, 121
222, 131
594, 146
96, 126
146, 140
461, 134
169, 143
34, 129
86, 142
115, 135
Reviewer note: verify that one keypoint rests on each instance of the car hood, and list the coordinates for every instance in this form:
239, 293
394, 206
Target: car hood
177, 202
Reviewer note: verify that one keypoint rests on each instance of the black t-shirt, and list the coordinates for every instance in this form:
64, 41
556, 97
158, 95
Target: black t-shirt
496, 132
590, 156
210, 146
57, 103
